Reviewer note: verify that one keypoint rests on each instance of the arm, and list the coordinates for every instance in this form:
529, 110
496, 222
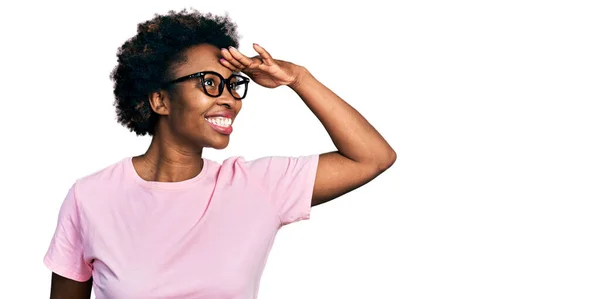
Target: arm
362, 153
64, 288
71, 274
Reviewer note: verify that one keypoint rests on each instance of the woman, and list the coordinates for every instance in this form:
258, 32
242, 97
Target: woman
173, 224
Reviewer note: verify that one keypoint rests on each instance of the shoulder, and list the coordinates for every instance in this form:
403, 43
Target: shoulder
269, 166
265, 162
96, 182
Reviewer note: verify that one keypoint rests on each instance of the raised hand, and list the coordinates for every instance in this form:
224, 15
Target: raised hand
262, 68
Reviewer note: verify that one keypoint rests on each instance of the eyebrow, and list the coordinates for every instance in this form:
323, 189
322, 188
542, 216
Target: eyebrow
213, 70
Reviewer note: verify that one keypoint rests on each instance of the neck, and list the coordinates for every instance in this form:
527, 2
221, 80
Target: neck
168, 161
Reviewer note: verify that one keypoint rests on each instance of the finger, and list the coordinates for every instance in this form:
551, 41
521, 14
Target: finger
243, 59
257, 62
232, 61
266, 57
249, 63
227, 55
228, 65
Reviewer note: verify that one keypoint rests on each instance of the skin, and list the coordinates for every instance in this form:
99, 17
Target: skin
65, 288
175, 153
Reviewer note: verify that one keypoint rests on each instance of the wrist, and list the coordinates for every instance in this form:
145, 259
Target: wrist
300, 75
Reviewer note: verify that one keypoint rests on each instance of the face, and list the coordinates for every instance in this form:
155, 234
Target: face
189, 116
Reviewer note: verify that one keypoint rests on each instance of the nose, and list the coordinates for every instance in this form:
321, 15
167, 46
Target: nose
226, 99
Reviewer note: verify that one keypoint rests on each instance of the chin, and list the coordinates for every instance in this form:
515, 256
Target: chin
220, 145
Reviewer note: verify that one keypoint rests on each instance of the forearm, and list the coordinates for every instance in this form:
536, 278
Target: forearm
351, 133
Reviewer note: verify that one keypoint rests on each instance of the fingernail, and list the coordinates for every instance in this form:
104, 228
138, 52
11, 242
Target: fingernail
232, 48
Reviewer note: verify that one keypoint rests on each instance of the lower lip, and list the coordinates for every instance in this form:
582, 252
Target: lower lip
222, 130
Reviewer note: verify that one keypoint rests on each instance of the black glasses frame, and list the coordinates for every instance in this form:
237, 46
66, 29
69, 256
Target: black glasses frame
223, 83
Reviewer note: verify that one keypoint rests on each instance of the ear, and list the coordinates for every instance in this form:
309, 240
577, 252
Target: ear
159, 101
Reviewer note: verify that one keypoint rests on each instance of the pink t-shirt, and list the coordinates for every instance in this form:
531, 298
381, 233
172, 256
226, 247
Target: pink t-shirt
206, 237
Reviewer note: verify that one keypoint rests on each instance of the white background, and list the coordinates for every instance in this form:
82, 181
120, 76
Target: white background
492, 107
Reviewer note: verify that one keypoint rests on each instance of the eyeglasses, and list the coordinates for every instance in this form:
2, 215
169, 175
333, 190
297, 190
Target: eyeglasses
213, 84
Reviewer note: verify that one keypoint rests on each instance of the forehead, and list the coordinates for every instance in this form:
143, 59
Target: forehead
201, 58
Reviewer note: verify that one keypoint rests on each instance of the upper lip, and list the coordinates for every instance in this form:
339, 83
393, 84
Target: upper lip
226, 114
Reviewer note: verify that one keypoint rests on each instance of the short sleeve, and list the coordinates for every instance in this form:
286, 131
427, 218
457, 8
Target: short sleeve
289, 182
65, 254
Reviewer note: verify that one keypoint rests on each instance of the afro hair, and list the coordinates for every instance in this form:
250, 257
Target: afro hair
145, 60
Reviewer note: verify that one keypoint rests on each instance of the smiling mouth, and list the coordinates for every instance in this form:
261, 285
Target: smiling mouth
220, 121
220, 124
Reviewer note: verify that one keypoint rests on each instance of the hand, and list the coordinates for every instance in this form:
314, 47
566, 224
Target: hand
262, 69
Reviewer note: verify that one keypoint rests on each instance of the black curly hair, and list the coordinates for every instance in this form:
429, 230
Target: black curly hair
145, 60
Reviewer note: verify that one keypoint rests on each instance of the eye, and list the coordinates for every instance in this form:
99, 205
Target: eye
209, 82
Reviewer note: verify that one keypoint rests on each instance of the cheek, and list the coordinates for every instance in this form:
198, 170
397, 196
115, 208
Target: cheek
189, 111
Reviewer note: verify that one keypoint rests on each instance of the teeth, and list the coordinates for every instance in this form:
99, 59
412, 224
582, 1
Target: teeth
220, 121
